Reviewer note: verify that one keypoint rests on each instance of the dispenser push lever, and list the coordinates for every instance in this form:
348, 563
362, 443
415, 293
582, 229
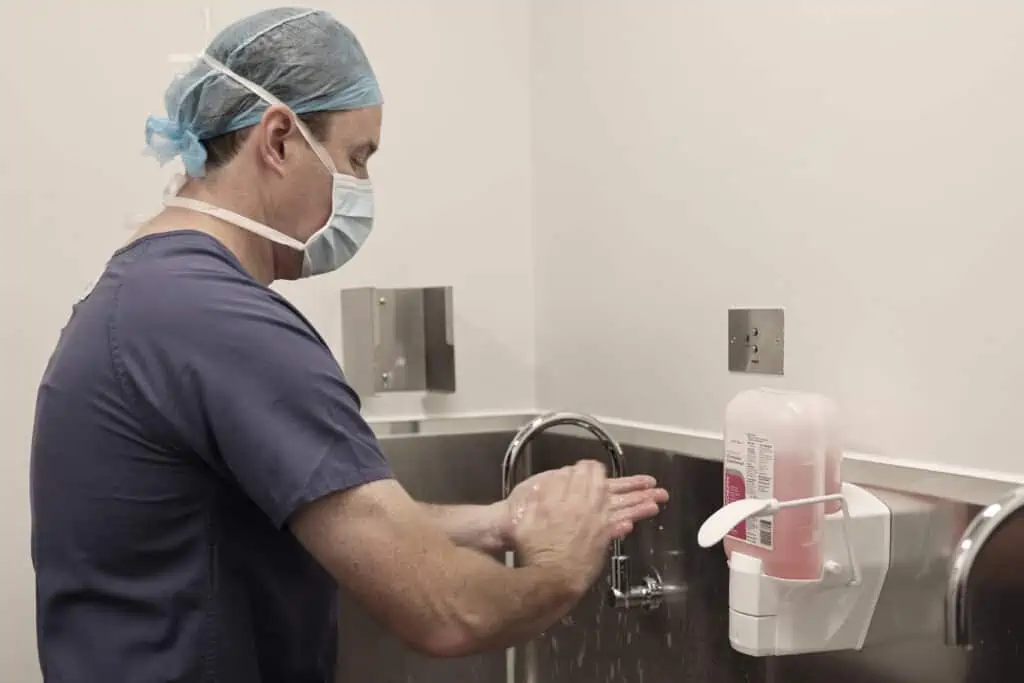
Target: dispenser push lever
717, 526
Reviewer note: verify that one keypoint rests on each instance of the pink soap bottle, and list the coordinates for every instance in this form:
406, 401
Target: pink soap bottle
775, 444
833, 451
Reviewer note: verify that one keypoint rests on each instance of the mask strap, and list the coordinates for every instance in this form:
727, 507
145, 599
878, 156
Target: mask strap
171, 198
263, 94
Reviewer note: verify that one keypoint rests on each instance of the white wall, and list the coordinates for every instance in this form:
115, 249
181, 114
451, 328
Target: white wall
859, 163
453, 177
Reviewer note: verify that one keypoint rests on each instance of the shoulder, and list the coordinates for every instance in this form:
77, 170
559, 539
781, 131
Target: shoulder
200, 297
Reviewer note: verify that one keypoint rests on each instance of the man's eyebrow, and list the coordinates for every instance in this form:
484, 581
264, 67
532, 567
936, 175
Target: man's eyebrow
367, 147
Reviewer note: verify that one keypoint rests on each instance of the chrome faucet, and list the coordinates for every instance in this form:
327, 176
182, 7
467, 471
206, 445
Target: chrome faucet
972, 542
650, 592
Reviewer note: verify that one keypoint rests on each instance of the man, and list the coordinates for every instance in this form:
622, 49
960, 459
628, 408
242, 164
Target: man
202, 480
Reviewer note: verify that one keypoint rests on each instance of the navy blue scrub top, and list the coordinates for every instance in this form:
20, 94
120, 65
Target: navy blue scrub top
187, 412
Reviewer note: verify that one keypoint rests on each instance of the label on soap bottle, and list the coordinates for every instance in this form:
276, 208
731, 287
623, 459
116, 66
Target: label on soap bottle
750, 473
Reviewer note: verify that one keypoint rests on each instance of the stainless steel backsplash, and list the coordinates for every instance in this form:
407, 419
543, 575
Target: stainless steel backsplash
687, 640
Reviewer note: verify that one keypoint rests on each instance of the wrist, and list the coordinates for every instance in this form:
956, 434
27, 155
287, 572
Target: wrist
500, 526
566, 583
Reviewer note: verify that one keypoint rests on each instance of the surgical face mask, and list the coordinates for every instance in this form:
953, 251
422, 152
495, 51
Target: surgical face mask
347, 226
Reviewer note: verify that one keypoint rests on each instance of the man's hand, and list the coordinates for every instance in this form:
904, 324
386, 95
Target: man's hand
630, 500
562, 523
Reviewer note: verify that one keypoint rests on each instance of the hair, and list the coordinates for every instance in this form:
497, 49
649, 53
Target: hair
223, 148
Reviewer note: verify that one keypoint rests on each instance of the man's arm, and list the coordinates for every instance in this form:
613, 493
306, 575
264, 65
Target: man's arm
487, 527
241, 380
440, 599
480, 527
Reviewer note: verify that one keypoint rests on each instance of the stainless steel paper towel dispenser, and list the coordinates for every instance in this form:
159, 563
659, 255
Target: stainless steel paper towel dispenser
398, 339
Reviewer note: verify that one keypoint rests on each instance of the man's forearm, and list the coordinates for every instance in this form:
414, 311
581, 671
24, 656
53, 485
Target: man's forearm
479, 527
495, 606
441, 599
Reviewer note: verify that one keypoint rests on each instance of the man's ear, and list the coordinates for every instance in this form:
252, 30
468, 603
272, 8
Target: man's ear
275, 127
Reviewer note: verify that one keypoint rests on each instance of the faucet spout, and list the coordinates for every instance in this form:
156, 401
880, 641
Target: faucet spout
972, 542
533, 428
621, 594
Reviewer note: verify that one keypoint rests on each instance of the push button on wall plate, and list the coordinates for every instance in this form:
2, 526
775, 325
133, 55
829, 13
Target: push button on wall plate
757, 340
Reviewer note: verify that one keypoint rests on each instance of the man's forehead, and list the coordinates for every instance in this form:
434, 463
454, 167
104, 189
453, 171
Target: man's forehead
360, 127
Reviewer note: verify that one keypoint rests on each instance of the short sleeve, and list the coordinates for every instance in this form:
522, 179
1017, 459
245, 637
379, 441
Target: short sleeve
229, 370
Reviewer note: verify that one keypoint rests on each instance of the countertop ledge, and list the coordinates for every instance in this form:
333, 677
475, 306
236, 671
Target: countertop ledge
940, 481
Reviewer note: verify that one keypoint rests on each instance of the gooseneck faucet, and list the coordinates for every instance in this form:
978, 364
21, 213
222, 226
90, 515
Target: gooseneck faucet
647, 594
984, 525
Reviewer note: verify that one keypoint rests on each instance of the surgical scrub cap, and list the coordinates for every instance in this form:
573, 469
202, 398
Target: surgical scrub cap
305, 58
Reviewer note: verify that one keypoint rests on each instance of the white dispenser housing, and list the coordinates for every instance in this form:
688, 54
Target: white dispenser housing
770, 616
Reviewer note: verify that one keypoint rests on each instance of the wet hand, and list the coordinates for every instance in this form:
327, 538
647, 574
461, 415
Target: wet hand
630, 500
560, 520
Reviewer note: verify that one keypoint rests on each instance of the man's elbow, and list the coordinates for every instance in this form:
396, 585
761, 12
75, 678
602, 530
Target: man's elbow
458, 638
447, 644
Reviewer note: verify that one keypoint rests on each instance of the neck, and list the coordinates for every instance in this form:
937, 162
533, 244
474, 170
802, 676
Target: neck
254, 253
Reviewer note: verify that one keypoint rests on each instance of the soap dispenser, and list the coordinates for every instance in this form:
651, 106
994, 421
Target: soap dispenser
802, 577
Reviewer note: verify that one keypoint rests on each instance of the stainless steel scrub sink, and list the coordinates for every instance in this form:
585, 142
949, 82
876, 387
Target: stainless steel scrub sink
680, 642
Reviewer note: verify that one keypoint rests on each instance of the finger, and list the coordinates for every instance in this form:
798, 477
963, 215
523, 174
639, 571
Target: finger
597, 488
657, 496
589, 466
637, 482
571, 476
626, 500
578, 479
601, 483
635, 513
620, 529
